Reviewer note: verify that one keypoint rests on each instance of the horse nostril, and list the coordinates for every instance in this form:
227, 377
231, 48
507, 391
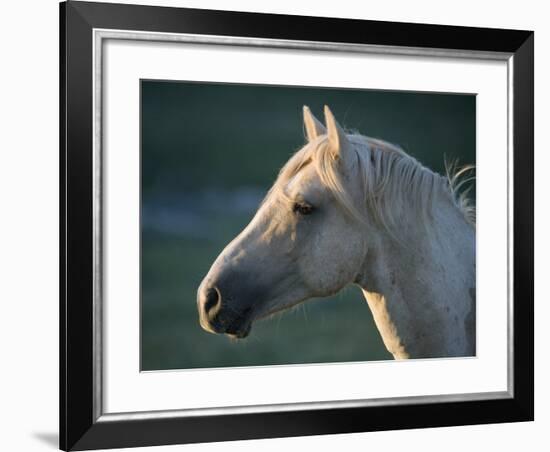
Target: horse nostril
212, 299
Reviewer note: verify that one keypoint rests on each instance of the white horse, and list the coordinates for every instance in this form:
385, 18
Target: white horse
347, 209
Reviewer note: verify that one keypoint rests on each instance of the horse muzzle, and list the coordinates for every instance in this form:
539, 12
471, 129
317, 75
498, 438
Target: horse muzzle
216, 317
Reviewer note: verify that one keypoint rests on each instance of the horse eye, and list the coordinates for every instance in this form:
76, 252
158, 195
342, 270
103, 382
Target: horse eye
302, 208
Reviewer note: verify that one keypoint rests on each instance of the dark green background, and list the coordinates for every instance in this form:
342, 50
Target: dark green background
209, 154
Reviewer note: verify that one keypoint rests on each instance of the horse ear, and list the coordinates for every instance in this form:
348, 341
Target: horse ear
313, 127
336, 135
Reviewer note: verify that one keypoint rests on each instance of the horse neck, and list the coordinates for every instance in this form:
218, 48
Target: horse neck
422, 294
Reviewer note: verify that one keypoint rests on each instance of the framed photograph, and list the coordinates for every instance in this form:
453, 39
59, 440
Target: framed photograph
281, 225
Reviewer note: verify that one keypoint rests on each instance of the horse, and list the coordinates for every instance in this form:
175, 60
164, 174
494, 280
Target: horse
349, 209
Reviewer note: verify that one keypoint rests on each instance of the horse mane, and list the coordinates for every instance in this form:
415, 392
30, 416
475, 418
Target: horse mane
392, 180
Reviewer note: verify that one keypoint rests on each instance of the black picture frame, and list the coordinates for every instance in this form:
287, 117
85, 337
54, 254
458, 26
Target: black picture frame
80, 427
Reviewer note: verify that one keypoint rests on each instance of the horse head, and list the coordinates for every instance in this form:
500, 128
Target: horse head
292, 250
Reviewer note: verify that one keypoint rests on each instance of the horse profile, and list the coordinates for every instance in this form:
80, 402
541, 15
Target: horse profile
348, 209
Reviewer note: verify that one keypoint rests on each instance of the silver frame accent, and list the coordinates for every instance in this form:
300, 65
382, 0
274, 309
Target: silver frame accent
99, 36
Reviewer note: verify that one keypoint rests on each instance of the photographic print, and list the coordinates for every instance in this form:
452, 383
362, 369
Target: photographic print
252, 201
295, 225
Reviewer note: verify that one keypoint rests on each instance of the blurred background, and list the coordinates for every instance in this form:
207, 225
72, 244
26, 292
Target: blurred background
210, 152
